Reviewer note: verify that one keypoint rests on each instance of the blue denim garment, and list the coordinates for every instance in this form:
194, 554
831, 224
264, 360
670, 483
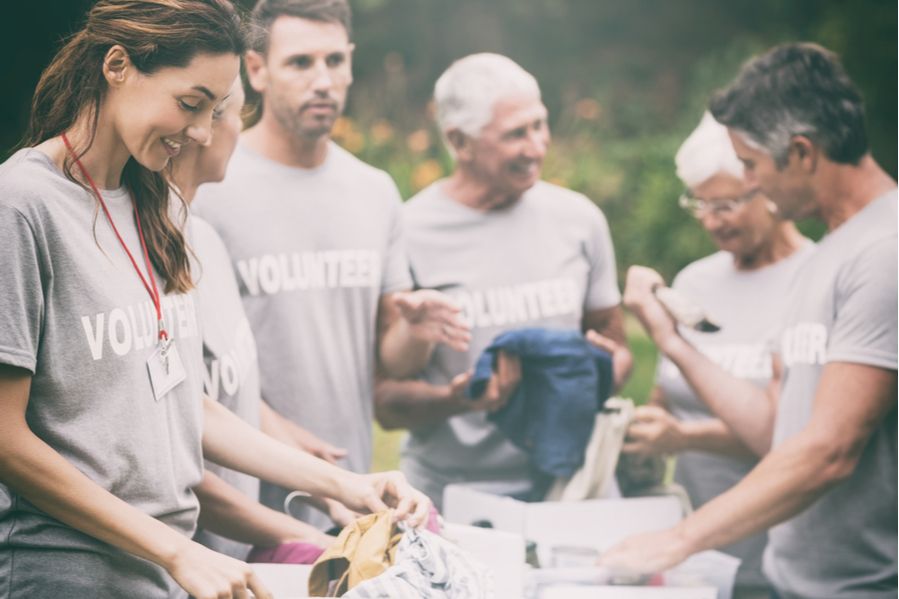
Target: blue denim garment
565, 381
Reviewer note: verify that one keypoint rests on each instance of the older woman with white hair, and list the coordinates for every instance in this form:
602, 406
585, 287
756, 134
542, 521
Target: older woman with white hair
743, 287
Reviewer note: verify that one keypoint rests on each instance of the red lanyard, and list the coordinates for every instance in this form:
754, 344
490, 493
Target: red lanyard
151, 286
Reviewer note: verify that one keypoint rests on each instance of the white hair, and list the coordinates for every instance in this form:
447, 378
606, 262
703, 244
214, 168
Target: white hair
706, 153
467, 91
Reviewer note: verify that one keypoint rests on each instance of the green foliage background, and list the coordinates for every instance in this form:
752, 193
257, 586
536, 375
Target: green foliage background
625, 83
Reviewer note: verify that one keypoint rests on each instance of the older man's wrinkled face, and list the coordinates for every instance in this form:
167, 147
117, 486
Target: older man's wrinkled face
508, 154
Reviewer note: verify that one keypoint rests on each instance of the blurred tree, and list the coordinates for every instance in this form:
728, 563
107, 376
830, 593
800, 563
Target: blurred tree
625, 82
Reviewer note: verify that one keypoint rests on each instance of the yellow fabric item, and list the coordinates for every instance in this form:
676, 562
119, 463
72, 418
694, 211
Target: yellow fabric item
363, 550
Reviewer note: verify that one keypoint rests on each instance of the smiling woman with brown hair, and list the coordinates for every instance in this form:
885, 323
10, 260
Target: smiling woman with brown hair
100, 360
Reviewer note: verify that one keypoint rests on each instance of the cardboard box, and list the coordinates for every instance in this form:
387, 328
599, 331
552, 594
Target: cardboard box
582, 592
596, 524
502, 553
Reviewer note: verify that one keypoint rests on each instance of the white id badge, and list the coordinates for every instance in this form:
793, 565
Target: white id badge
166, 369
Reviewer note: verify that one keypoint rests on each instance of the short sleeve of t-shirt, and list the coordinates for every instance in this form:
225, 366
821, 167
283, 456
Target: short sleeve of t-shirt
602, 282
21, 296
396, 276
864, 329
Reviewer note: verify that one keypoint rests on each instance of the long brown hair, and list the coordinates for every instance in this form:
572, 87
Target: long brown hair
155, 34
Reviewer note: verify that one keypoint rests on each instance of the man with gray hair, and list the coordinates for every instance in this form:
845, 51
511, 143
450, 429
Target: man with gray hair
827, 487
316, 242
513, 252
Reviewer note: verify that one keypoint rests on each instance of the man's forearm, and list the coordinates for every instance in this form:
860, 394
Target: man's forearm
712, 435
401, 355
745, 408
415, 404
785, 482
227, 512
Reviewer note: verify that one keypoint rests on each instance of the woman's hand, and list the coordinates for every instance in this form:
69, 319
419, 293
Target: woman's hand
386, 490
640, 300
654, 431
205, 574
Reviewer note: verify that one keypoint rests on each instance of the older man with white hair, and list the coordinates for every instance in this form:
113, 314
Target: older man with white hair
744, 285
514, 252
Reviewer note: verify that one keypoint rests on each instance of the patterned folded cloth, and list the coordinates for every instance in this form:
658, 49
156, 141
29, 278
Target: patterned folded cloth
428, 566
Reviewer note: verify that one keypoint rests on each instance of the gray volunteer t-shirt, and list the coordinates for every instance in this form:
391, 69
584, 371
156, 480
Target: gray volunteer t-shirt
74, 313
749, 305
229, 351
313, 250
542, 262
843, 309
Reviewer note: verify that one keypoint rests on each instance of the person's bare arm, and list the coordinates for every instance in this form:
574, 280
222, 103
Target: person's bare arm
411, 324
655, 431
227, 512
277, 426
851, 401
38, 473
745, 408
266, 458
657, 398
417, 405
714, 436
608, 324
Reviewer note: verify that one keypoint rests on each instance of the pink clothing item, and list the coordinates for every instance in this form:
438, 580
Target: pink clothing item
307, 553
433, 524
286, 553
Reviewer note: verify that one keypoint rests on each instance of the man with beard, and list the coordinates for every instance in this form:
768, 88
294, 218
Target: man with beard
827, 486
514, 252
315, 239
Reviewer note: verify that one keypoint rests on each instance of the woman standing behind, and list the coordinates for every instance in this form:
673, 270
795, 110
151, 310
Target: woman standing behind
743, 286
231, 518
100, 359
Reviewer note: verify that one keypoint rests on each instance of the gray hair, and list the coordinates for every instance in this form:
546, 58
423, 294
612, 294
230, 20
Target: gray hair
795, 89
467, 91
706, 153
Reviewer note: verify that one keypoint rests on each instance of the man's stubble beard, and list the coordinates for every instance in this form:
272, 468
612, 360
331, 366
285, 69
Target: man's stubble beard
291, 121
